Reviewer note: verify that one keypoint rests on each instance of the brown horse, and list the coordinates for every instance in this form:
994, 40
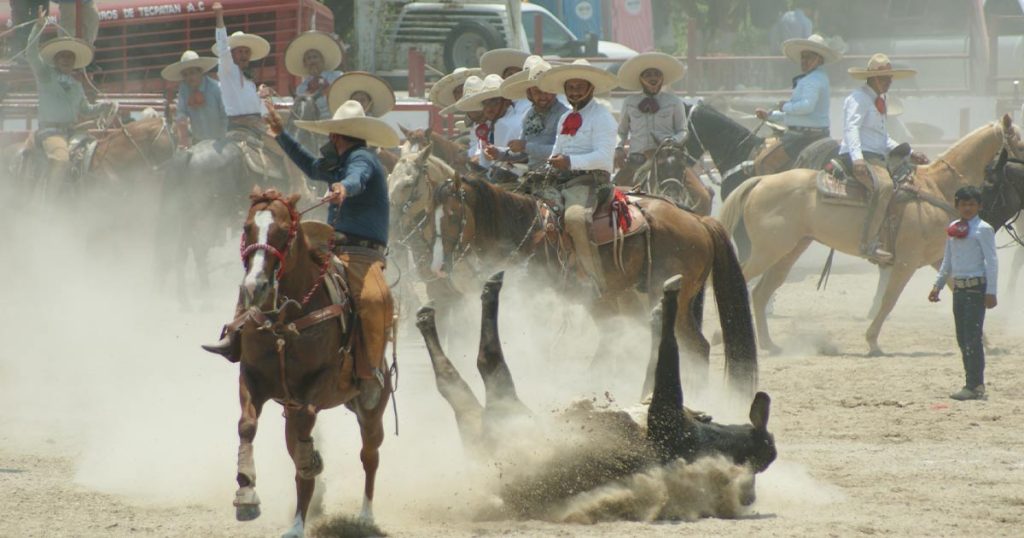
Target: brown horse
783, 213
140, 145
295, 344
446, 149
490, 227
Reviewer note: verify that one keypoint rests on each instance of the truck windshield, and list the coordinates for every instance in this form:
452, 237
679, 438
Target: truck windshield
555, 35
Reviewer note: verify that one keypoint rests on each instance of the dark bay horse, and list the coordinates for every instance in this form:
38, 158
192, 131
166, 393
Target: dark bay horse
1002, 202
295, 343
489, 227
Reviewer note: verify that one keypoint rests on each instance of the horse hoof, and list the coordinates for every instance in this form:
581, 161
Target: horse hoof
771, 349
247, 504
876, 352
425, 316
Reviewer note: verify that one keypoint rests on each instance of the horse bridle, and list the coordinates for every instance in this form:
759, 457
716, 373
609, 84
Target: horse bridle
246, 251
1000, 183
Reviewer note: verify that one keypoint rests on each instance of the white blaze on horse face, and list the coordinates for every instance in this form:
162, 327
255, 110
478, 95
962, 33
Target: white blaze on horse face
263, 220
438, 259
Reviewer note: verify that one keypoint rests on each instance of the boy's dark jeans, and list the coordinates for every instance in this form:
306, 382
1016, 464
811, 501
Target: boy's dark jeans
969, 317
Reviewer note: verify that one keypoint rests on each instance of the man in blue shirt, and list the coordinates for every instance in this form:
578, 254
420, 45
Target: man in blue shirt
199, 113
970, 259
805, 115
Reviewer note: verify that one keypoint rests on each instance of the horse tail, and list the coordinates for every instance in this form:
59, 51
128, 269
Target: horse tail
731, 215
733, 311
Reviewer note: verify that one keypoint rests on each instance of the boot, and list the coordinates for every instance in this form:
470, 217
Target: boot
964, 394
229, 346
870, 245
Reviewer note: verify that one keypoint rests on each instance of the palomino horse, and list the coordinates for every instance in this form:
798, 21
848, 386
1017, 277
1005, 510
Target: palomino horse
295, 349
480, 221
783, 213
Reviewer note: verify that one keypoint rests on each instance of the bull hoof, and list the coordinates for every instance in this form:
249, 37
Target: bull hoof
771, 349
247, 504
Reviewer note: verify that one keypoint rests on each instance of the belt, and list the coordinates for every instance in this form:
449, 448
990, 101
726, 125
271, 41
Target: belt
812, 130
970, 282
349, 240
573, 174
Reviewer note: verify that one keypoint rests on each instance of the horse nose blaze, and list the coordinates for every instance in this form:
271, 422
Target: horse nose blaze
263, 220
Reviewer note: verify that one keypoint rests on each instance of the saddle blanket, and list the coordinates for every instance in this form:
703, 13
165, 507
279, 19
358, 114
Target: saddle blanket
832, 190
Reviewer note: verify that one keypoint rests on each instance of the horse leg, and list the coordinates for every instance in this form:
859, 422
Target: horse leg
468, 411
298, 430
884, 274
770, 281
901, 274
247, 503
652, 364
371, 429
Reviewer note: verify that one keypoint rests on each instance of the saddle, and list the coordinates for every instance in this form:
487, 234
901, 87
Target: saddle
841, 190
257, 156
771, 159
81, 150
606, 225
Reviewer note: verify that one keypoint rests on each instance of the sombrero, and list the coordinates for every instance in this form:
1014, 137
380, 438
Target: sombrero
554, 80
880, 66
350, 120
189, 59
260, 47
323, 42
477, 90
629, 74
442, 92
81, 49
359, 81
495, 62
792, 48
515, 86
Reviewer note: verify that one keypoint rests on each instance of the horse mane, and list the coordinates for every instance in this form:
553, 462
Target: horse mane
498, 214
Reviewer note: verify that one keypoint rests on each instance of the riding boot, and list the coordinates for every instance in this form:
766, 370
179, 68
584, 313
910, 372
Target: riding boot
871, 243
230, 344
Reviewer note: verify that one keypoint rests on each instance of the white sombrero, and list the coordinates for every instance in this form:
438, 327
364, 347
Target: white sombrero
189, 60
629, 74
515, 86
554, 80
442, 93
792, 48
495, 62
312, 40
260, 47
880, 66
378, 89
83, 52
477, 90
350, 120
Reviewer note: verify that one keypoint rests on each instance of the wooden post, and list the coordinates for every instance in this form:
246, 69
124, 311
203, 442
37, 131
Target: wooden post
78, 19
417, 73
538, 35
691, 57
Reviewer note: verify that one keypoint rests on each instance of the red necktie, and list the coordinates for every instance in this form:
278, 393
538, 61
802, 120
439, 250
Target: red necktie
958, 229
197, 99
880, 105
315, 84
572, 123
483, 132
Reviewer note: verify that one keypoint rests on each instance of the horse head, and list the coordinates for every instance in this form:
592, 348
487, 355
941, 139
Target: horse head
1011, 138
268, 235
728, 141
1002, 194
456, 219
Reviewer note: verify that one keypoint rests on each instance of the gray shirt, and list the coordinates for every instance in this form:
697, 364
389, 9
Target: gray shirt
539, 131
645, 131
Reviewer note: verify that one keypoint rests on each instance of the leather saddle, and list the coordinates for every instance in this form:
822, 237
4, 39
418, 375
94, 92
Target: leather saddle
841, 190
258, 158
605, 229
81, 150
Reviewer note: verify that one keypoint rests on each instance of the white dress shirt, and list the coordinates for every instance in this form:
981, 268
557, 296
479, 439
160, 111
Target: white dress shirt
237, 91
506, 129
971, 257
593, 146
864, 126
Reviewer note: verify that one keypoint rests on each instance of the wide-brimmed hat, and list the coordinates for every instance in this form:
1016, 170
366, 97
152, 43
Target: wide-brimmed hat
477, 90
442, 93
792, 48
629, 74
260, 47
329, 48
189, 59
378, 89
880, 66
495, 62
350, 120
554, 80
515, 86
83, 52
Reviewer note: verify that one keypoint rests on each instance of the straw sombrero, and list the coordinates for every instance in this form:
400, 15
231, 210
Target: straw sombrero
495, 62
629, 74
260, 47
477, 90
189, 59
350, 120
880, 66
83, 52
515, 86
359, 81
442, 93
554, 80
323, 42
792, 48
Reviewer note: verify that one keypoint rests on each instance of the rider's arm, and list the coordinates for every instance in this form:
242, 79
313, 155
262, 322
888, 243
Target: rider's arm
300, 156
679, 120
181, 115
227, 71
39, 68
624, 125
358, 171
853, 118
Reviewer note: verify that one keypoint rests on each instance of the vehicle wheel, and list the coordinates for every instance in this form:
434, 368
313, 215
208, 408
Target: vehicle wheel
467, 42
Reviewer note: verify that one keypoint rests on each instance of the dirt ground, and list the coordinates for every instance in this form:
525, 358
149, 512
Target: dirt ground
114, 423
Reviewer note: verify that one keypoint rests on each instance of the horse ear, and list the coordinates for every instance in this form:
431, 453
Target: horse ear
294, 199
406, 132
429, 132
256, 193
425, 153
1007, 122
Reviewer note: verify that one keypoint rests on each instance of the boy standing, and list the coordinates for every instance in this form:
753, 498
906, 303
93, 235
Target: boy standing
970, 259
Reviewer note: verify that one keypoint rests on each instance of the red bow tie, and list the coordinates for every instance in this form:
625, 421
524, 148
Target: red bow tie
572, 123
315, 84
197, 99
880, 104
483, 132
649, 105
959, 229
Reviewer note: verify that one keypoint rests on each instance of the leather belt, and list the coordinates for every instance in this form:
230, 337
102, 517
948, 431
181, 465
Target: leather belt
809, 130
970, 282
347, 240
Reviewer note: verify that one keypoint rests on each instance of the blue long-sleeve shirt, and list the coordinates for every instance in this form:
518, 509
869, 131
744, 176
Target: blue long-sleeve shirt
808, 106
364, 212
971, 257
208, 122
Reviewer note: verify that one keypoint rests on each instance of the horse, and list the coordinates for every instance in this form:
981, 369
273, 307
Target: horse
668, 175
1002, 202
447, 150
295, 349
783, 213
482, 222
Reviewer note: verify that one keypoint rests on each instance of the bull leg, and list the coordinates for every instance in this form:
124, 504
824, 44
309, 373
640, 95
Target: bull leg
247, 503
468, 411
652, 364
298, 432
490, 362
696, 349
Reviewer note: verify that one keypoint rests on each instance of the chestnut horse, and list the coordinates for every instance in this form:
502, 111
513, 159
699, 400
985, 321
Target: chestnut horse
783, 214
295, 344
483, 223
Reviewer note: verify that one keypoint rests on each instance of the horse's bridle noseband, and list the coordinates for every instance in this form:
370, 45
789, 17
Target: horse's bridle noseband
247, 251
